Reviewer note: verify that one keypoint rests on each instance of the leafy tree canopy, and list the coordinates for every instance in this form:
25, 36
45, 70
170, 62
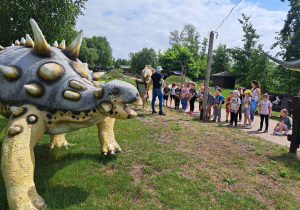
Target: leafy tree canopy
55, 18
139, 59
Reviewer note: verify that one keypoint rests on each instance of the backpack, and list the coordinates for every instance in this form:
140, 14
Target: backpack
197, 94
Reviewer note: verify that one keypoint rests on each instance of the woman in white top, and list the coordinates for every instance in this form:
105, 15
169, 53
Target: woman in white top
256, 97
172, 94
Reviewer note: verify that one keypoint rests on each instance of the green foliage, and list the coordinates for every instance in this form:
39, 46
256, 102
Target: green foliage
176, 79
56, 19
147, 56
220, 60
229, 180
117, 63
288, 40
96, 51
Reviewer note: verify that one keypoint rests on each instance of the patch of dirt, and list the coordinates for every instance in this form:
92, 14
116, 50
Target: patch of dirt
137, 173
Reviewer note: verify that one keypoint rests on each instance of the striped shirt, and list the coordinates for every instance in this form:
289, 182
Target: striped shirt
234, 103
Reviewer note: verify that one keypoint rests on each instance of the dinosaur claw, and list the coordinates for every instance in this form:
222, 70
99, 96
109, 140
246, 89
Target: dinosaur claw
119, 150
112, 152
105, 153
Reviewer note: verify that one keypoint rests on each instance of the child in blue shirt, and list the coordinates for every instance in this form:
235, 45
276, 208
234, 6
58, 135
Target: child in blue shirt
217, 105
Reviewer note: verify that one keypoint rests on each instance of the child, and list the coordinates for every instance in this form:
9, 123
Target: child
265, 111
284, 124
166, 92
228, 99
172, 94
177, 96
241, 92
201, 94
235, 104
192, 97
218, 105
210, 100
246, 108
184, 96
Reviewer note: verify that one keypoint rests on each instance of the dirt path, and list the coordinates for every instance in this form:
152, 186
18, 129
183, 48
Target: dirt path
282, 140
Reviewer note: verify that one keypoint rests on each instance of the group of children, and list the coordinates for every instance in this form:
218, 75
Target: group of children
237, 103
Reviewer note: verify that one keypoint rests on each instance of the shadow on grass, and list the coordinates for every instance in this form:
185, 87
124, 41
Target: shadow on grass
47, 164
290, 161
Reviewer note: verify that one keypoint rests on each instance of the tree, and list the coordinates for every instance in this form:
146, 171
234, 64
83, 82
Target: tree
241, 56
140, 59
220, 60
55, 18
288, 40
97, 52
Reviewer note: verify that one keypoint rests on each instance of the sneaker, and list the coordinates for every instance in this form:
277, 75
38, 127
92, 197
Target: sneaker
266, 131
243, 125
161, 113
230, 124
235, 125
248, 126
153, 112
191, 112
226, 120
285, 132
252, 124
279, 133
259, 129
213, 120
240, 120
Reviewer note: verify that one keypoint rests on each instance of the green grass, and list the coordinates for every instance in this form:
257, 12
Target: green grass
171, 162
116, 75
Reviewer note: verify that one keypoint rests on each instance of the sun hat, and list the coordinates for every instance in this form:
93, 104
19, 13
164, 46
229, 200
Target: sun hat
235, 92
178, 84
248, 91
159, 68
167, 83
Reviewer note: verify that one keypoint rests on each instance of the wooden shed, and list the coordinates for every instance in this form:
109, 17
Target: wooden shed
224, 80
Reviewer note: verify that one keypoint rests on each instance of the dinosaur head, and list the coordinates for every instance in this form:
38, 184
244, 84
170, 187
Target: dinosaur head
116, 95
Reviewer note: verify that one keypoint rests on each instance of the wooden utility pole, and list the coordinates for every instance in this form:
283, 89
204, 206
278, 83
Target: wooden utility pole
182, 70
206, 84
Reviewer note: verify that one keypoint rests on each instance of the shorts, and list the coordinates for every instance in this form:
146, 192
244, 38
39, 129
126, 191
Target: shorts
172, 97
166, 97
200, 103
284, 128
227, 110
247, 111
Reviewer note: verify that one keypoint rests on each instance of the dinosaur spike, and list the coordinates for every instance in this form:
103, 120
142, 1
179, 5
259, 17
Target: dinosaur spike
82, 69
50, 71
23, 41
1, 48
16, 110
74, 47
33, 89
98, 84
77, 85
98, 93
62, 45
55, 44
87, 81
74, 96
29, 42
41, 46
14, 130
17, 42
97, 75
9, 72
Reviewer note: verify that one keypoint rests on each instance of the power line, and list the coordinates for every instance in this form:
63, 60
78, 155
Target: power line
229, 14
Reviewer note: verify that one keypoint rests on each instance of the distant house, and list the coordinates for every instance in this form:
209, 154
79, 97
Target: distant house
126, 69
174, 73
224, 80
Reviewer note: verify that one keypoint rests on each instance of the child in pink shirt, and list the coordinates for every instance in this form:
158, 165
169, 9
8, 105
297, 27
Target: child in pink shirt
265, 111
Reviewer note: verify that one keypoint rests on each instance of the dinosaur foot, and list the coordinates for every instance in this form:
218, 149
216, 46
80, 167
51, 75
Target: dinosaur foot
58, 141
110, 148
27, 201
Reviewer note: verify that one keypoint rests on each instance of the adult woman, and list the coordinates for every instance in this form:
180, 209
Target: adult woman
256, 97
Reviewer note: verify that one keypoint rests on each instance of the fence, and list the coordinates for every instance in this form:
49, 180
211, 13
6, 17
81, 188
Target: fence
294, 106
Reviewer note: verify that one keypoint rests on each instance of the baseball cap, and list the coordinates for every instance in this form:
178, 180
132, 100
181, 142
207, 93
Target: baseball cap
235, 92
178, 84
159, 68
216, 87
167, 83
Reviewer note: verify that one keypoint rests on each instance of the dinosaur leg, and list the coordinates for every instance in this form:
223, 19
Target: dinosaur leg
25, 128
58, 141
107, 136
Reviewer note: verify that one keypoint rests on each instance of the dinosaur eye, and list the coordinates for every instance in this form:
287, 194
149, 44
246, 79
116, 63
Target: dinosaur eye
115, 92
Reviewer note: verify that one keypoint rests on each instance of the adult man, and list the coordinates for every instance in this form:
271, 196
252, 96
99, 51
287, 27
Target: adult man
157, 79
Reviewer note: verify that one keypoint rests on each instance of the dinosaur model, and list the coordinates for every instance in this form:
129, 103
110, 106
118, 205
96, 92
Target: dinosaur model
293, 65
47, 90
147, 73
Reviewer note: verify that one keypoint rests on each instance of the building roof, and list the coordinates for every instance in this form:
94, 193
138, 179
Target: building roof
175, 72
222, 74
124, 67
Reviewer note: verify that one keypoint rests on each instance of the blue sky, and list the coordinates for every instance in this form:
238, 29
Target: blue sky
131, 25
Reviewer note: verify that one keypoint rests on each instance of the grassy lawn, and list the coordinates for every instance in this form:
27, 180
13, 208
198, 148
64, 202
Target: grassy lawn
172, 162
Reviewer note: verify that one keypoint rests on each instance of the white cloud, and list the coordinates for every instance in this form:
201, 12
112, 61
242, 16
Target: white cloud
131, 25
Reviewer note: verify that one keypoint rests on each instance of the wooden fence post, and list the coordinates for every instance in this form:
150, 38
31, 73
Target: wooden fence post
295, 137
